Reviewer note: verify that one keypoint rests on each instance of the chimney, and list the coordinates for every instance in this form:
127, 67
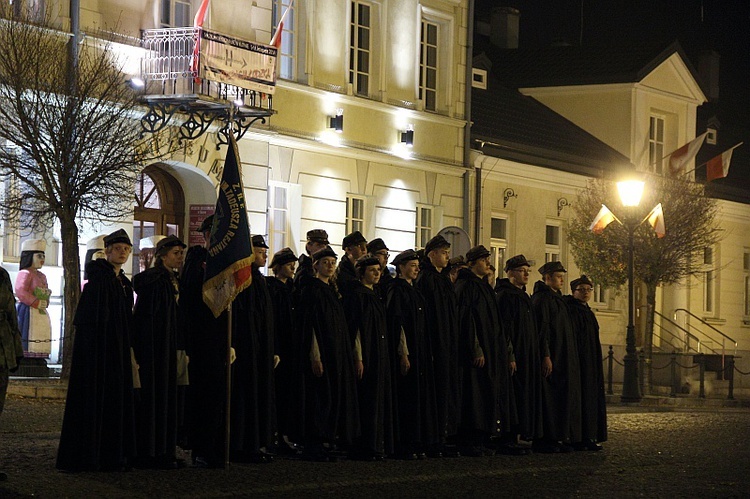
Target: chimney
504, 27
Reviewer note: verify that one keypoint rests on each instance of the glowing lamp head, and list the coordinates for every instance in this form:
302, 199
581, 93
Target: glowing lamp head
630, 192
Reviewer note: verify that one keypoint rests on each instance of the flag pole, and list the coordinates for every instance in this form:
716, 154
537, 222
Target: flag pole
228, 374
706, 162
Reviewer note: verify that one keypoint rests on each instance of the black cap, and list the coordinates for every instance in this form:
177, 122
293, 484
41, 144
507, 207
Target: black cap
317, 236
169, 242
355, 237
259, 242
376, 245
551, 268
405, 256
476, 253
206, 224
327, 251
436, 242
456, 261
516, 261
282, 257
118, 236
581, 280
366, 261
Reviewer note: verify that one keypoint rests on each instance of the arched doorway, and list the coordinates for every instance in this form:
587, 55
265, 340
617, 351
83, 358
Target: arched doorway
159, 208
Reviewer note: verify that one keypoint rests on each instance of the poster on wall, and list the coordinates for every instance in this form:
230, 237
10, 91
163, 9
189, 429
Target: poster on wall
198, 212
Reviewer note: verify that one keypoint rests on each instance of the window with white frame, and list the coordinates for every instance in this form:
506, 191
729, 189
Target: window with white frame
278, 216
746, 277
425, 222
176, 13
428, 64
600, 296
552, 242
287, 58
498, 241
656, 143
435, 60
355, 213
360, 49
709, 280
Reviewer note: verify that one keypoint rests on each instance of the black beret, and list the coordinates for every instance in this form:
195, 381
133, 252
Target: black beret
476, 253
282, 257
405, 256
259, 242
169, 242
327, 251
436, 242
581, 280
118, 236
206, 224
376, 245
551, 268
355, 237
317, 236
516, 261
456, 262
366, 261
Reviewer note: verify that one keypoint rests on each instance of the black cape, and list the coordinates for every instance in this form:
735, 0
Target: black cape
207, 349
487, 403
304, 272
415, 392
253, 408
346, 276
385, 282
593, 400
328, 409
441, 320
98, 430
154, 337
365, 314
561, 390
519, 323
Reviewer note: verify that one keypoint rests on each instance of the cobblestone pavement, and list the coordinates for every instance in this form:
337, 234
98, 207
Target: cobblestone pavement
684, 453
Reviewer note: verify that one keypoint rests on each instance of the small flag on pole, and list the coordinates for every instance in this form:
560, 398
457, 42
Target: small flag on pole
656, 220
684, 155
718, 166
603, 218
230, 251
276, 38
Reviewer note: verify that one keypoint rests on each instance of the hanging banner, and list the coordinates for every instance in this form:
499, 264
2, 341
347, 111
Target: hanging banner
245, 64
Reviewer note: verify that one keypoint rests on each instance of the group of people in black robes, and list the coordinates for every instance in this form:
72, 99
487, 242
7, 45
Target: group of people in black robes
329, 360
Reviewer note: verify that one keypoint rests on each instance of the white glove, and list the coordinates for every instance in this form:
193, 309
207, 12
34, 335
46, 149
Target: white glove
276, 360
232, 355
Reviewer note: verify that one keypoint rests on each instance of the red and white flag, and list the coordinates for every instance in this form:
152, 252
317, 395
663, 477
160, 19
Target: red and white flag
276, 38
718, 166
656, 220
602, 219
684, 155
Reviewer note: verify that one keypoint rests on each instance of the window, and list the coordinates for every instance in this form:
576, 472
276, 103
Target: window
479, 78
355, 214
428, 64
601, 296
176, 13
425, 220
287, 58
498, 242
711, 136
709, 281
656, 144
746, 276
359, 48
552, 246
278, 217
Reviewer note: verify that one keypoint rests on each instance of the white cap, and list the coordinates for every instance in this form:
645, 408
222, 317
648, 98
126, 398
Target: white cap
150, 242
36, 245
95, 243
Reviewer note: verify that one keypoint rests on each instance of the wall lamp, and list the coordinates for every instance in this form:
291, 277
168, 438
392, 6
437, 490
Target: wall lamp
337, 122
407, 136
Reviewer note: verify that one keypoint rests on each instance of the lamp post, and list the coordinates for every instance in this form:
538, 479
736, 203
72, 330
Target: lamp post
630, 194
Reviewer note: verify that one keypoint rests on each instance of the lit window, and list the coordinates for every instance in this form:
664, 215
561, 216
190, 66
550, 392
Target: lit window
498, 241
709, 281
552, 246
355, 214
278, 217
425, 216
428, 65
176, 13
601, 296
359, 48
287, 59
656, 144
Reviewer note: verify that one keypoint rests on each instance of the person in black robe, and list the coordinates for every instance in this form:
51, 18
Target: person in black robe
317, 239
417, 428
355, 247
368, 330
98, 430
593, 400
11, 349
517, 315
154, 344
561, 383
442, 332
379, 250
207, 349
286, 376
253, 408
486, 356
329, 409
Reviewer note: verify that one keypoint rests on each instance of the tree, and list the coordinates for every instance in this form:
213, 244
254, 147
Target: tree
70, 137
691, 226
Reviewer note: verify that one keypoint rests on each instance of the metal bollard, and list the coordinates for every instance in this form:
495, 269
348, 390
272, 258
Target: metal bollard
673, 393
702, 365
730, 375
610, 362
